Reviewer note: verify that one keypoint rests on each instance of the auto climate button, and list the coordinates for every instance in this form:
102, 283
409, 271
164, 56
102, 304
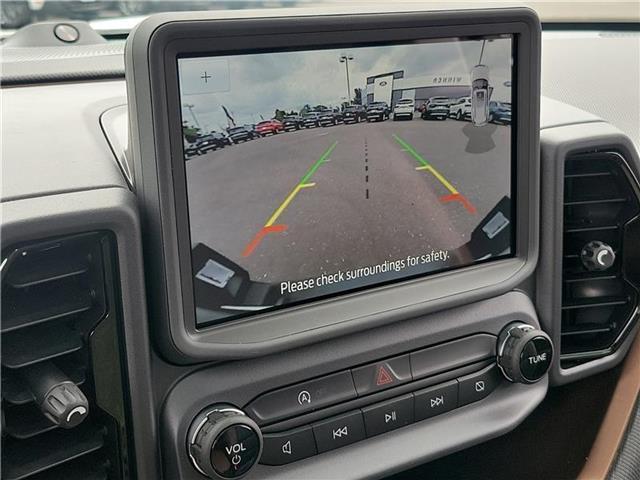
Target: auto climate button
302, 397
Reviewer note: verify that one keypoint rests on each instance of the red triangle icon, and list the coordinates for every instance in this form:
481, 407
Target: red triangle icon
384, 377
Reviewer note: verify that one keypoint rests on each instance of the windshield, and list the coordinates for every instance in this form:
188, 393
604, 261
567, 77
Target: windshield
118, 17
236, 130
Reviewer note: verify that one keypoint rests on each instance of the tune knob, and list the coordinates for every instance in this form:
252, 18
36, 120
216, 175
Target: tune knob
597, 256
524, 353
223, 442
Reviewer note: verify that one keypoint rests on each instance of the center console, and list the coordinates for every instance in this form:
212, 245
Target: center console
386, 398
342, 219
335, 410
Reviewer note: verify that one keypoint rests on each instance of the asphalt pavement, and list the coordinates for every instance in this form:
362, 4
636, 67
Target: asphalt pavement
296, 205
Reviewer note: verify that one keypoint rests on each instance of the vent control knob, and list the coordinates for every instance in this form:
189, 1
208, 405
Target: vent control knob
597, 256
223, 442
66, 405
524, 353
60, 400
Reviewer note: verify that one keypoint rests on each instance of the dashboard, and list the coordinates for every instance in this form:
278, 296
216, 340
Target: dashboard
349, 289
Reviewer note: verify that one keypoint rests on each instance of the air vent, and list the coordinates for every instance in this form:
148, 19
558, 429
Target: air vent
56, 294
599, 302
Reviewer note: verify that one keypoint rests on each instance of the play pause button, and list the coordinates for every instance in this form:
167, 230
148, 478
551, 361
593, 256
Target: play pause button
387, 416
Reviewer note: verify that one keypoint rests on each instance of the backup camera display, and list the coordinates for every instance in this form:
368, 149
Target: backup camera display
320, 172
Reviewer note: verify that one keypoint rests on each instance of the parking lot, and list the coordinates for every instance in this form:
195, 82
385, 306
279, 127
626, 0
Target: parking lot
298, 204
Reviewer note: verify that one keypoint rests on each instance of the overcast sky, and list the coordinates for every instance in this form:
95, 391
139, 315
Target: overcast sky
251, 86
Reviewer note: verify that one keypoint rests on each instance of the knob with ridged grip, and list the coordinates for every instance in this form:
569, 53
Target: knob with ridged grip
524, 353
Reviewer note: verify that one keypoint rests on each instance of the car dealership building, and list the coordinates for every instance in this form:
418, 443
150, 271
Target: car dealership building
392, 86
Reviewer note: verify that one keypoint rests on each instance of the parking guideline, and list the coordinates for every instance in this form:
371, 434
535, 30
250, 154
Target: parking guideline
455, 195
269, 226
302, 184
321, 160
286, 202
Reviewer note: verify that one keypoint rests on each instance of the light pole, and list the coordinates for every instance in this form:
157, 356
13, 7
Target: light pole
345, 59
195, 119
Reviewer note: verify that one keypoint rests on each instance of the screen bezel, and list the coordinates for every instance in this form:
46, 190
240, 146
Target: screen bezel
180, 174
348, 312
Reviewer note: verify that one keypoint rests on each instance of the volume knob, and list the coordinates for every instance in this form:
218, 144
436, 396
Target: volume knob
223, 442
524, 353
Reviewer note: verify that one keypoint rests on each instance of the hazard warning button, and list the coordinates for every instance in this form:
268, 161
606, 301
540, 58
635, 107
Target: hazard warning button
382, 375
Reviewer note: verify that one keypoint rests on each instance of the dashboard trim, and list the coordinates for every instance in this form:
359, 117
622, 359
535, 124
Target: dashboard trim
556, 144
113, 210
619, 414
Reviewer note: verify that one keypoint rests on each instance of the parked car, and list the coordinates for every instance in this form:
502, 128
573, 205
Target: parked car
269, 127
311, 119
223, 138
292, 122
251, 128
190, 150
377, 111
241, 134
500, 112
212, 141
354, 114
436, 108
461, 109
404, 109
329, 117
207, 143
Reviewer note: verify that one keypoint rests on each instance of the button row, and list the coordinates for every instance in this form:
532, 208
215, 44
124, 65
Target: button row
347, 428
343, 386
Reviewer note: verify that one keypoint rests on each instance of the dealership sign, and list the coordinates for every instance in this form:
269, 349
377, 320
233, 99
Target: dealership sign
447, 80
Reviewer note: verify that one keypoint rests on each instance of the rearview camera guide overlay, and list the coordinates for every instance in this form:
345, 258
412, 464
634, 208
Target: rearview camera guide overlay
311, 173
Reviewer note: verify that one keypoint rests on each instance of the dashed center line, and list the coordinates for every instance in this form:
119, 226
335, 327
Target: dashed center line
366, 169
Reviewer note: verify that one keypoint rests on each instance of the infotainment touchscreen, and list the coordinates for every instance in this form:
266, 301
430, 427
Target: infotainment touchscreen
314, 173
